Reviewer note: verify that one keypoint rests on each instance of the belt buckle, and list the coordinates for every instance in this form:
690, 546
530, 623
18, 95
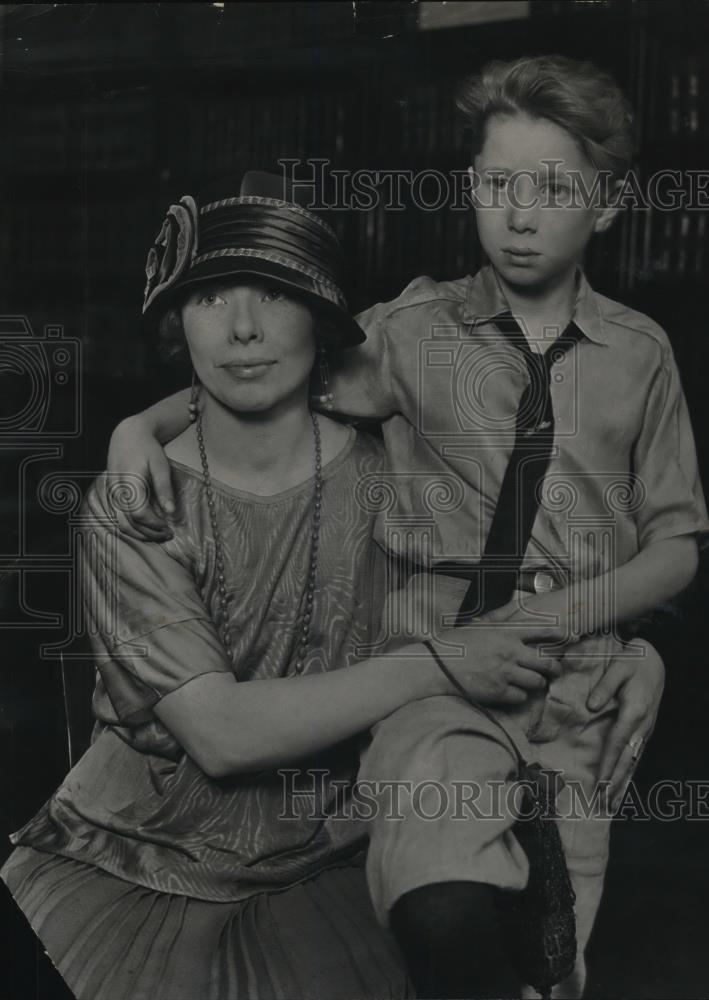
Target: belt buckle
543, 582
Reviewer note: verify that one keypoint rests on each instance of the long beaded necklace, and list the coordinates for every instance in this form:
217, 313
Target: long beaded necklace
303, 630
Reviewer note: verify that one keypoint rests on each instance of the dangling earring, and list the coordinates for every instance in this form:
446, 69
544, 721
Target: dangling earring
194, 396
326, 397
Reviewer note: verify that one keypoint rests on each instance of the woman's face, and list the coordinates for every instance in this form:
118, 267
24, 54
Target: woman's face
252, 345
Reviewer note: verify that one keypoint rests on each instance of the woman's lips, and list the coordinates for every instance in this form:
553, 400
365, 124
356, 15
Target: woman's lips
248, 370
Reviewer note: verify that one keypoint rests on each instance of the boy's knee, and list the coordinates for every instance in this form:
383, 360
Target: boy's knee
449, 934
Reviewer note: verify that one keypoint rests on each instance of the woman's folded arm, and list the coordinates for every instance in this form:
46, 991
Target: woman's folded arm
228, 727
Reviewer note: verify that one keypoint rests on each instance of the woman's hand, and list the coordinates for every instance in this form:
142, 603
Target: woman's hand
500, 665
637, 683
137, 463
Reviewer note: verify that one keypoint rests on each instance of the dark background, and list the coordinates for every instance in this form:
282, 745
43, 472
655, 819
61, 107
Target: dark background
110, 112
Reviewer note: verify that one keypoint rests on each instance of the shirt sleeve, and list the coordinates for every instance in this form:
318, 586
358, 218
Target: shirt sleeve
665, 462
150, 630
360, 377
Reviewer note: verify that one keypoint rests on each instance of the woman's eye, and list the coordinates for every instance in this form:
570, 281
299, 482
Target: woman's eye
274, 294
210, 299
497, 181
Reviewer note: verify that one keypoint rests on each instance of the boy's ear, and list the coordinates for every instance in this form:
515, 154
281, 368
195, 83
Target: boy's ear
474, 178
605, 215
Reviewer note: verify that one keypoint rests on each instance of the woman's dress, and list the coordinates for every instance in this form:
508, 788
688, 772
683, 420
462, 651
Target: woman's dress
143, 877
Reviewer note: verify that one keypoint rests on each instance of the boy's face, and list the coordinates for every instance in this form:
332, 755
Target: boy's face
532, 224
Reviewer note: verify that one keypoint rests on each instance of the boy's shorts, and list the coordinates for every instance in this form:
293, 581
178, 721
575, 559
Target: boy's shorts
456, 803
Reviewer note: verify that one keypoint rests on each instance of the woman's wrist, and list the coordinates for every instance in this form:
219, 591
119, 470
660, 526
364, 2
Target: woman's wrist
423, 677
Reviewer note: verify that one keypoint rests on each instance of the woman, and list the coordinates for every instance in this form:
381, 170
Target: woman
175, 861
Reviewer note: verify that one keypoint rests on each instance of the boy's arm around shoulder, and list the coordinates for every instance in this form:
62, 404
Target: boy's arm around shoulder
136, 453
369, 380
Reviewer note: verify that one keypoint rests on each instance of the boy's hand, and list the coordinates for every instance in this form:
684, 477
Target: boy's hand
135, 453
637, 683
500, 666
539, 610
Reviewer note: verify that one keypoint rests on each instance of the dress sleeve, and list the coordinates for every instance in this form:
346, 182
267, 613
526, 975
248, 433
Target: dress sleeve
150, 630
665, 462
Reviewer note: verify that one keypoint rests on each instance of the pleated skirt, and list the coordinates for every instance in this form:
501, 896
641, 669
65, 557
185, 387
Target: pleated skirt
114, 940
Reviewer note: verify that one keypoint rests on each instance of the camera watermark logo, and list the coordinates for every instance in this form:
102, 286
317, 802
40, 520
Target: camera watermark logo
41, 382
53, 532
464, 377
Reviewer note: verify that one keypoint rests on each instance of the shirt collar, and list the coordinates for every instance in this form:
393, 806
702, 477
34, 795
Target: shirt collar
485, 301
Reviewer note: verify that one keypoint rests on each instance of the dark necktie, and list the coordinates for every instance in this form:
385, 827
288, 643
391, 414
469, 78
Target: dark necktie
519, 496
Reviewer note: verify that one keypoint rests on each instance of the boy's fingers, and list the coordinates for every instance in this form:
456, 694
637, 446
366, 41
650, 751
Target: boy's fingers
150, 535
531, 659
540, 633
611, 755
149, 525
162, 485
513, 696
132, 519
528, 680
147, 518
147, 534
608, 686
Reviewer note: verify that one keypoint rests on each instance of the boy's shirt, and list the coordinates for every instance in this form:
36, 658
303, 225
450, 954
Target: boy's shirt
447, 384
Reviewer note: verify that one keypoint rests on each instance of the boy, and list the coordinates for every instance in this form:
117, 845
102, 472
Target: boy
454, 369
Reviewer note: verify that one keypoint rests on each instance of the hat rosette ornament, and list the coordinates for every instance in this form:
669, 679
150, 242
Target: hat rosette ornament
174, 249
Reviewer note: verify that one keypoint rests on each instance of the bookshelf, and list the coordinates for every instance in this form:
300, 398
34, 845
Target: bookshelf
106, 128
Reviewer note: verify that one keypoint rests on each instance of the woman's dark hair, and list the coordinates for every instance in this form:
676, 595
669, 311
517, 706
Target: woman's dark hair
577, 96
172, 343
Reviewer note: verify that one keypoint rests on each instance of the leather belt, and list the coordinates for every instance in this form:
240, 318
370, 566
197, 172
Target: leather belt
532, 581
538, 581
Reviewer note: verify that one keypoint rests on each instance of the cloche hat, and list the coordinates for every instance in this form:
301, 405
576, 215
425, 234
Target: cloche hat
262, 232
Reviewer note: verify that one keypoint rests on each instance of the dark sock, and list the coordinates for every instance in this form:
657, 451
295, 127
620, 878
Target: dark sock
449, 934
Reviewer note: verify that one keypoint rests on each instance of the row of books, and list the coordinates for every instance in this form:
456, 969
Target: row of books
686, 86
248, 132
112, 133
431, 123
338, 125
226, 32
420, 119
668, 246
115, 343
386, 249
232, 134
78, 238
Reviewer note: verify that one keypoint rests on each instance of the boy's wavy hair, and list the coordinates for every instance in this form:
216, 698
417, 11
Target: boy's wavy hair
577, 96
